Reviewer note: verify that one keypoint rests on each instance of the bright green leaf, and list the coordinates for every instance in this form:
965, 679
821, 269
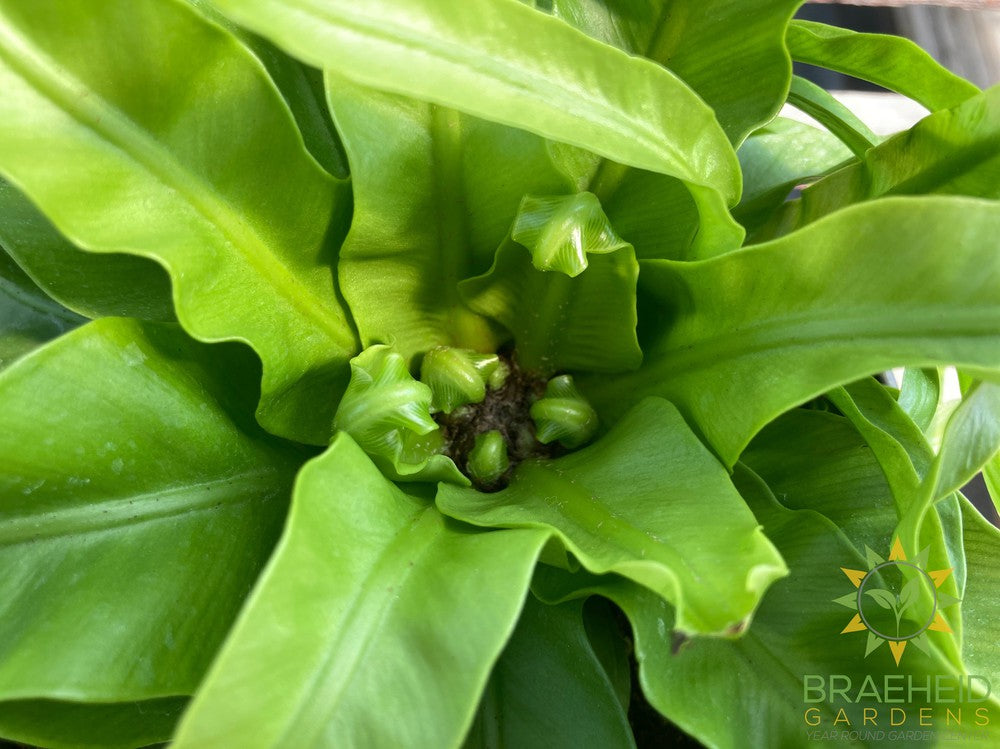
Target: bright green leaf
412, 240
819, 104
919, 395
343, 615
28, 318
482, 57
110, 285
889, 61
125, 97
149, 484
753, 333
647, 501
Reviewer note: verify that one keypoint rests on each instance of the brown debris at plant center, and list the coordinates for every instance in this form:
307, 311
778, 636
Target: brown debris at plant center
506, 409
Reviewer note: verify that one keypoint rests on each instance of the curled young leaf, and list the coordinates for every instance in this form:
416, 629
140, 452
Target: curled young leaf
387, 412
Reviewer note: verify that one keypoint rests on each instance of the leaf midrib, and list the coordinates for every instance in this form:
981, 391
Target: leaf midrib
121, 512
353, 634
115, 128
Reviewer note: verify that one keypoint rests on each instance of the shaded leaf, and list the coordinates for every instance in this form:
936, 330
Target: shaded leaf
342, 615
549, 675
28, 318
68, 725
132, 476
153, 161
617, 509
953, 152
106, 285
412, 240
779, 157
748, 335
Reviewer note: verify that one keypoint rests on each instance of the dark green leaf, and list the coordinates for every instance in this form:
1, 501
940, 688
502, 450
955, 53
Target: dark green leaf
28, 318
549, 675
69, 725
105, 285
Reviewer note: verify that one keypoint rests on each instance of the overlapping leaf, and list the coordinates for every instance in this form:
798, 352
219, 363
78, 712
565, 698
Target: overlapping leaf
564, 285
139, 127
28, 318
649, 502
952, 152
758, 680
736, 340
149, 484
375, 613
90, 284
778, 157
730, 51
482, 57
412, 240
890, 61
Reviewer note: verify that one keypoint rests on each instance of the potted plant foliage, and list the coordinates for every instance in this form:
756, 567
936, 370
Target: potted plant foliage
418, 373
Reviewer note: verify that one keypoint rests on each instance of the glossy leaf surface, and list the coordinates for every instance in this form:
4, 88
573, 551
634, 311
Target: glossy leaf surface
861, 291
653, 527
151, 485
412, 240
171, 171
481, 57
342, 615
889, 61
